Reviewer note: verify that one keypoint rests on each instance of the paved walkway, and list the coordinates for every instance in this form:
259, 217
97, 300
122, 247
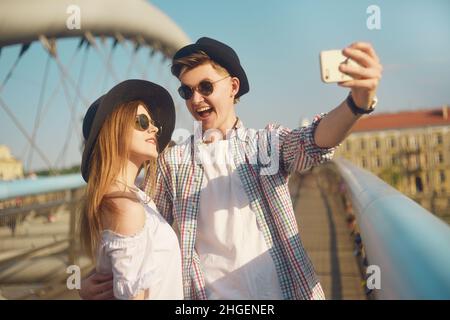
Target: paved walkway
323, 229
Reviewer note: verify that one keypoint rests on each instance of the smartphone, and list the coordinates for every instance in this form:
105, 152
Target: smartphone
329, 66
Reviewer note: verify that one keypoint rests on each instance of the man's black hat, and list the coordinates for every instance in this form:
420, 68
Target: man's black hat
220, 53
157, 99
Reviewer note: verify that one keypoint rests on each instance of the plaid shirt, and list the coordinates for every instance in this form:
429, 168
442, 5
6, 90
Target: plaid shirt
264, 160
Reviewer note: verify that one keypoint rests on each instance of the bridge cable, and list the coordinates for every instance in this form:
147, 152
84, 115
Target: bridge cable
23, 49
49, 102
150, 56
58, 86
108, 62
133, 56
39, 107
73, 123
140, 70
109, 65
24, 132
74, 104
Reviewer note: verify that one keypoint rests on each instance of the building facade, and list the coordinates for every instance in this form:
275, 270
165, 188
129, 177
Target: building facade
10, 168
409, 150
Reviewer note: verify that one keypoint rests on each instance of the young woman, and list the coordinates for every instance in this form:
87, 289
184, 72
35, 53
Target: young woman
121, 228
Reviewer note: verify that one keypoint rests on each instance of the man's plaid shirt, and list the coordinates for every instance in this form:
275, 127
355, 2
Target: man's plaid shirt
264, 160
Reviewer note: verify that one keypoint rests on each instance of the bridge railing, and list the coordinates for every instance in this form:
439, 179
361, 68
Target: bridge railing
37, 219
409, 245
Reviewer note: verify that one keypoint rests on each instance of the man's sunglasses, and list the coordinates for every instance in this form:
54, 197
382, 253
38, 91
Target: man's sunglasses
205, 88
143, 122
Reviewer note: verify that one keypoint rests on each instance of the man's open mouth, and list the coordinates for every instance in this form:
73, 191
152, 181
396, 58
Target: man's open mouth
204, 112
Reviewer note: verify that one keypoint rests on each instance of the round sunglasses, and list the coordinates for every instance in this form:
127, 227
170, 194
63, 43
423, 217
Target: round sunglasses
205, 88
143, 122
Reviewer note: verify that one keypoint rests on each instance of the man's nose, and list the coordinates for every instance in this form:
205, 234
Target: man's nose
197, 97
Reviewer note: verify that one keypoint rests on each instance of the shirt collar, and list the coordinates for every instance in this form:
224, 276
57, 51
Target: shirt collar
239, 131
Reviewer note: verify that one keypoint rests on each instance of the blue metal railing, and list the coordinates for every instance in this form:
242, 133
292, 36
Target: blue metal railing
25, 187
409, 244
38, 239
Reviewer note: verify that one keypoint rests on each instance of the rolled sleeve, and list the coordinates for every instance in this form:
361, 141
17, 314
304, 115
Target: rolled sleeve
299, 151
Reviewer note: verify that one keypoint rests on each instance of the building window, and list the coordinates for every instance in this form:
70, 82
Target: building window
404, 142
442, 176
392, 143
364, 162
377, 144
440, 157
363, 144
439, 139
378, 162
348, 146
419, 185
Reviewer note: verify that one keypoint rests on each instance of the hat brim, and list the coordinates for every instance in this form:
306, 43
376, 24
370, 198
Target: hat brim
157, 99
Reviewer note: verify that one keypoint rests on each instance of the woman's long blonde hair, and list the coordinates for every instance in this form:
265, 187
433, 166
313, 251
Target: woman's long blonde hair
108, 159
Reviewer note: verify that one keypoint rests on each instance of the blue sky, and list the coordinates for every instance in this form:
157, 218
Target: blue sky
278, 43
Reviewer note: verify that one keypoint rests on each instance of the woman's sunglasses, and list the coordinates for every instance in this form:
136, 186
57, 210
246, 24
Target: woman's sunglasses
143, 122
205, 88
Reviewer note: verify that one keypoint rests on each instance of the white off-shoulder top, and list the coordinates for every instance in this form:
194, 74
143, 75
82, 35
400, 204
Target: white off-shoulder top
150, 260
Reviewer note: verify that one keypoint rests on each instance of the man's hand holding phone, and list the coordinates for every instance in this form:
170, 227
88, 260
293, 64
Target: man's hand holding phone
358, 68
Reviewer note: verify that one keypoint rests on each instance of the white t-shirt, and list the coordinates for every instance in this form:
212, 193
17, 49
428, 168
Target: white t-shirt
232, 250
150, 260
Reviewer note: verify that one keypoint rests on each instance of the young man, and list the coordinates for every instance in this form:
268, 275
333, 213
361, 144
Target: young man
226, 186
